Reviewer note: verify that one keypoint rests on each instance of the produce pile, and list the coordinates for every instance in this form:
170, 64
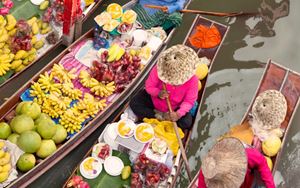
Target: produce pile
20, 41
5, 162
33, 132
57, 96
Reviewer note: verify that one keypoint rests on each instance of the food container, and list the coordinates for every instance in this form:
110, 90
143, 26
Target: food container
110, 136
101, 151
90, 168
113, 165
125, 128
144, 133
140, 37
154, 43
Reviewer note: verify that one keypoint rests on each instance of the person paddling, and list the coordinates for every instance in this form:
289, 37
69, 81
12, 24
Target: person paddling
175, 68
230, 164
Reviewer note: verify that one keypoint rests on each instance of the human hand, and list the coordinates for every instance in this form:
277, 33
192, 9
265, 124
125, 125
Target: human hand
174, 116
163, 94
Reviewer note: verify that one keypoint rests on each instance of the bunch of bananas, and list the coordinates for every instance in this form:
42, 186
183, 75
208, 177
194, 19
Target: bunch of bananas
103, 90
57, 103
5, 165
69, 90
48, 84
47, 108
38, 26
86, 80
38, 94
5, 65
100, 89
62, 74
22, 59
72, 120
90, 106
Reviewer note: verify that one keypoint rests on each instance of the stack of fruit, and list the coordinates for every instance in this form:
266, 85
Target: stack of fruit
5, 162
56, 95
153, 172
33, 132
19, 42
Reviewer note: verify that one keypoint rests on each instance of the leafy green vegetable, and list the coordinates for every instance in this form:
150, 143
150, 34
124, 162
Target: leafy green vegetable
25, 10
105, 180
6, 76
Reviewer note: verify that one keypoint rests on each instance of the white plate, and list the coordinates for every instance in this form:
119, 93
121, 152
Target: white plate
113, 165
97, 148
37, 2
150, 129
132, 126
91, 174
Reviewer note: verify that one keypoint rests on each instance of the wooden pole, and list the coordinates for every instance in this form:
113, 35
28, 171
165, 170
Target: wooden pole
222, 14
179, 139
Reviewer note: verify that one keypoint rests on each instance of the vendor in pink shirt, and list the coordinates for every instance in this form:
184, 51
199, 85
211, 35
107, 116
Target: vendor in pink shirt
230, 163
175, 67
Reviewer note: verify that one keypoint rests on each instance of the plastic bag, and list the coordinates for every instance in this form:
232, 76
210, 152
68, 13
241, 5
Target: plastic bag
165, 130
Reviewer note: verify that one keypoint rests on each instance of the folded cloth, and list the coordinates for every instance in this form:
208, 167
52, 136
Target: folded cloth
206, 37
160, 18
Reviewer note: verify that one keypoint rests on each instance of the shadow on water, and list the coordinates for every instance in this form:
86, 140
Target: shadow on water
236, 72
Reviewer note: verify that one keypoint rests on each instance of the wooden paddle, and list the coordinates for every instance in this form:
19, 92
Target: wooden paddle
231, 14
179, 139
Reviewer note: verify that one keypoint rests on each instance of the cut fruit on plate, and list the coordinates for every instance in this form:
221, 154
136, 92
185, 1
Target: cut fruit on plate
90, 168
103, 18
159, 146
110, 26
101, 151
129, 17
144, 133
113, 165
115, 10
125, 128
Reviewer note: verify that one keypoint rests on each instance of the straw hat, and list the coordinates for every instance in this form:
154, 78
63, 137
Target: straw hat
177, 64
269, 109
225, 165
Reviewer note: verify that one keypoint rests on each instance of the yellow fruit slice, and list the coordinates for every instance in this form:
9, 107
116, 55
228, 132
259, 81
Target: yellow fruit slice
111, 25
115, 10
129, 17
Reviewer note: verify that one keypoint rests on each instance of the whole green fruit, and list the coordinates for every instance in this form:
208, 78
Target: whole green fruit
47, 148
5, 130
26, 162
13, 138
60, 134
21, 123
46, 128
29, 141
29, 108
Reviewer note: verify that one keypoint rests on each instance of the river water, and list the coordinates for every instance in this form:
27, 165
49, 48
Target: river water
237, 70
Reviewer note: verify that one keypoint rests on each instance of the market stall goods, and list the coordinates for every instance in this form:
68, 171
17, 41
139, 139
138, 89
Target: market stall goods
66, 98
150, 166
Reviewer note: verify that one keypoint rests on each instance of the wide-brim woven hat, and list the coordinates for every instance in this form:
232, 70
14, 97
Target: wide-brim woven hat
269, 109
225, 165
177, 64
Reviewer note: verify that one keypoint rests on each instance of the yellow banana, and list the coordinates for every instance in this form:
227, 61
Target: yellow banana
3, 176
4, 160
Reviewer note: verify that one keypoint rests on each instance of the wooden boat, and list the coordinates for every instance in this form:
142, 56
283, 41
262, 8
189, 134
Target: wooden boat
7, 108
209, 53
286, 81
89, 11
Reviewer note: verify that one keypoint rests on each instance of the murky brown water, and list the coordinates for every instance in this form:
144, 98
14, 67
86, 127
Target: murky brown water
251, 41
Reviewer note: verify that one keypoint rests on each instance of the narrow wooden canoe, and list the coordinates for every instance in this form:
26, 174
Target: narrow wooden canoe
53, 47
7, 107
286, 81
210, 54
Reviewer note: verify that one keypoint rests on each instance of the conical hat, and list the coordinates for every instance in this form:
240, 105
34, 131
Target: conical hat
177, 64
269, 109
225, 165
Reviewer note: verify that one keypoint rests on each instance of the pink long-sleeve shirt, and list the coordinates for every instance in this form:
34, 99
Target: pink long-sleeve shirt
255, 161
182, 97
